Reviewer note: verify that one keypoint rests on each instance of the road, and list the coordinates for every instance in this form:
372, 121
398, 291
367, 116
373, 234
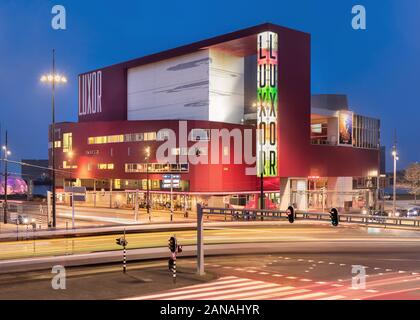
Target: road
300, 261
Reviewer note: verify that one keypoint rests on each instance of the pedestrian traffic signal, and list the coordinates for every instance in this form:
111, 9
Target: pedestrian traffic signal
171, 264
172, 244
334, 217
121, 242
291, 214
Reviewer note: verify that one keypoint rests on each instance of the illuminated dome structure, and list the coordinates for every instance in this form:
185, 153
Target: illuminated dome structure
15, 185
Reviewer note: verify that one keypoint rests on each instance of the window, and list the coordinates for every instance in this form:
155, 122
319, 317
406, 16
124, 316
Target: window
68, 166
225, 151
156, 167
58, 144
163, 135
105, 166
366, 132
200, 135
67, 142
150, 136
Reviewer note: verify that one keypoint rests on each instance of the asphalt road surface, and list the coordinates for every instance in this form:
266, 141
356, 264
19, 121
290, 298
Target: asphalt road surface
299, 262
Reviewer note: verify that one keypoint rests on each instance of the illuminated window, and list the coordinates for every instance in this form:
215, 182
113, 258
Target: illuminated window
105, 166
68, 166
150, 136
225, 151
200, 135
58, 144
156, 167
162, 135
67, 142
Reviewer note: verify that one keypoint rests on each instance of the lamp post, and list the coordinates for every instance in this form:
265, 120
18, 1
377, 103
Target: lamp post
261, 167
396, 158
6, 154
53, 79
147, 158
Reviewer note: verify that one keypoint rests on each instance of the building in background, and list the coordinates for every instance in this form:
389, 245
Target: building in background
36, 175
315, 152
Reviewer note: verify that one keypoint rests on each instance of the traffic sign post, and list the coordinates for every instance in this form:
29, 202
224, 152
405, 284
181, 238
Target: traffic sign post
76, 194
123, 242
174, 249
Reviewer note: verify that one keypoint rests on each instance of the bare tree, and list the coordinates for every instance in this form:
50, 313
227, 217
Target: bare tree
412, 178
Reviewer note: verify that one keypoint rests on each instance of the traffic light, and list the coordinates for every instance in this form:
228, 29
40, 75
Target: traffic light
172, 244
334, 217
171, 264
121, 242
179, 250
291, 214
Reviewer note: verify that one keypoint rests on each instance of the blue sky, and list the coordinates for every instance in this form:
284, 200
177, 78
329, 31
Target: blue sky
378, 68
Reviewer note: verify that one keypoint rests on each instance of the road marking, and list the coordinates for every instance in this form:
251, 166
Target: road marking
306, 280
337, 285
321, 262
401, 271
414, 273
342, 264
277, 275
377, 268
388, 270
251, 271
321, 282
333, 298
276, 296
263, 273
291, 278
307, 296
332, 263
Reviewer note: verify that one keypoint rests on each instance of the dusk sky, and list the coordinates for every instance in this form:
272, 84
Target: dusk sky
378, 68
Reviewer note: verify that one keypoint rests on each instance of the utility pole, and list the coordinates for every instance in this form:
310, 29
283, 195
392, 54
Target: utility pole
6, 153
147, 183
54, 217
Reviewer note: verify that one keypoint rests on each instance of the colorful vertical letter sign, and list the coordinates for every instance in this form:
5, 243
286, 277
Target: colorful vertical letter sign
267, 104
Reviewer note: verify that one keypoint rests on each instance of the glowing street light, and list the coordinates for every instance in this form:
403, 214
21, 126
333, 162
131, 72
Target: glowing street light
53, 79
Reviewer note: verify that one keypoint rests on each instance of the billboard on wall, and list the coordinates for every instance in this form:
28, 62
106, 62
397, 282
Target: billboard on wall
267, 103
345, 128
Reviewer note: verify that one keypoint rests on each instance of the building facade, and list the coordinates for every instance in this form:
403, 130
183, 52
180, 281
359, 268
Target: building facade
189, 118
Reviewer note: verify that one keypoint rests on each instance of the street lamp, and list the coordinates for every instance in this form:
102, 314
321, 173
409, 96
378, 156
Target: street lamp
53, 79
7, 153
147, 158
261, 167
396, 158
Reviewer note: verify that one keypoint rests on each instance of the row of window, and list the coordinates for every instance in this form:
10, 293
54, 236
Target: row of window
156, 167
162, 135
366, 132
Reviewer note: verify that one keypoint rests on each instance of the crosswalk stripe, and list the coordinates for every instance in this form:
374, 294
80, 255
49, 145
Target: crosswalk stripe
251, 295
193, 290
209, 294
332, 298
306, 296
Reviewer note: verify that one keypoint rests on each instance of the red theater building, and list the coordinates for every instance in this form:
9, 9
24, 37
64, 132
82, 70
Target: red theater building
313, 152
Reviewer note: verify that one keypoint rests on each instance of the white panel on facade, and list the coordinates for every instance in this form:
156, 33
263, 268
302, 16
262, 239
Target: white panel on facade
175, 88
226, 87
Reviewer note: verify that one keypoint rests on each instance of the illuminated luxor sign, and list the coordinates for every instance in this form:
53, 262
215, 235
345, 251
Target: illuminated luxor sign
267, 103
90, 93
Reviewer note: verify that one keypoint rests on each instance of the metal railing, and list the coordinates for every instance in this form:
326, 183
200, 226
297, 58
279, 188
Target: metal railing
261, 215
